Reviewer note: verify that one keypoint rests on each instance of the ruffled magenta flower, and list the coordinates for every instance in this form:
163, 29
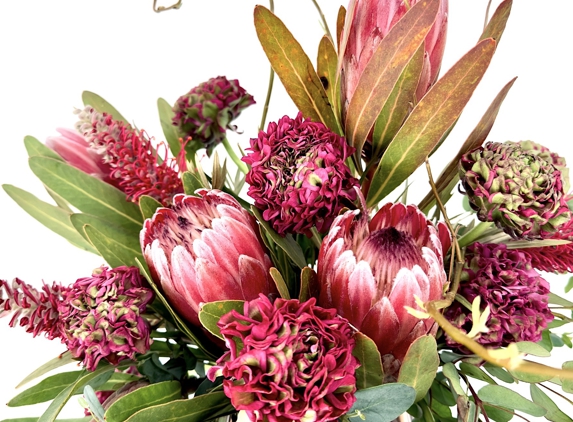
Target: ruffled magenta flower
103, 316
134, 166
205, 113
516, 294
298, 176
369, 270
203, 249
517, 188
287, 361
370, 23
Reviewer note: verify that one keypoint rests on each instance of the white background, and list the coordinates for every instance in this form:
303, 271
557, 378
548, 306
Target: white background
53, 50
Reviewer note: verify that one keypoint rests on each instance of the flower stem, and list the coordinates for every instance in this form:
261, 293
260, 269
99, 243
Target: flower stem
270, 86
242, 166
323, 19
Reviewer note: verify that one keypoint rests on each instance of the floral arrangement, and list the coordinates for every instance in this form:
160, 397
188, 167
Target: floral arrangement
298, 282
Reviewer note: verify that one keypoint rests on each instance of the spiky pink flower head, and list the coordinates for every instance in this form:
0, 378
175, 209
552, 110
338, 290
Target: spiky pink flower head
134, 165
368, 22
506, 282
102, 316
206, 112
287, 361
369, 270
37, 310
518, 189
203, 249
298, 176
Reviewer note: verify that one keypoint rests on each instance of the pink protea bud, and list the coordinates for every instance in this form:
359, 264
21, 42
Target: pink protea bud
298, 175
294, 362
369, 24
203, 249
516, 294
369, 270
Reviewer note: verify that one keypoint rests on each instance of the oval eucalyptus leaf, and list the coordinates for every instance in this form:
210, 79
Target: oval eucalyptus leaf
59, 361
420, 364
35, 147
499, 373
294, 68
442, 394
567, 383
532, 348
144, 397
93, 403
498, 414
197, 409
211, 312
54, 218
45, 390
383, 71
496, 25
101, 105
554, 414
383, 403
451, 373
170, 131
148, 206
87, 193
504, 397
280, 283
475, 372
370, 373
530, 378
429, 120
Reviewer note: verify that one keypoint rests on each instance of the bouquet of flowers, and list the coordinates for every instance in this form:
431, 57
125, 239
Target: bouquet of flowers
291, 279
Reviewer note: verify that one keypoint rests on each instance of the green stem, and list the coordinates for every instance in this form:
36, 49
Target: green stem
474, 234
270, 86
323, 19
242, 166
316, 237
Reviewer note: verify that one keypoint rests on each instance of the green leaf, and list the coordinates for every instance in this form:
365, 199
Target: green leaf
95, 378
287, 243
35, 147
340, 24
420, 364
496, 24
170, 131
308, 284
59, 361
370, 373
211, 312
557, 300
498, 414
54, 218
530, 378
475, 372
113, 248
45, 390
569, 285
294, 68
532, 348
543, 400
567, 383
101, 105
451, 373
87, 419
93, 403
383, 403
148, 205
504, 397
197, 409
88, 194
442, 393
326, 64
144, 397
429, 120
499, 373
280, 283
384, 69
191, 183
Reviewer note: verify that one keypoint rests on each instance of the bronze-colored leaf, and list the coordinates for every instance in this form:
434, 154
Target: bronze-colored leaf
496, 25
340, 18
326, 63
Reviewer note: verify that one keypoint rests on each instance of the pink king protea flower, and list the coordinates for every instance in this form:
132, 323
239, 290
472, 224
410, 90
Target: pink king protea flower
369, 24
370, 270
287, 361
206, 248
298, 176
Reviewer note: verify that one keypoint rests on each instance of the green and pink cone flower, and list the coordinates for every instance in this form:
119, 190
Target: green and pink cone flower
516, 294
298, 176
206, 112
287, 361
517, 188
368, 270
206, 248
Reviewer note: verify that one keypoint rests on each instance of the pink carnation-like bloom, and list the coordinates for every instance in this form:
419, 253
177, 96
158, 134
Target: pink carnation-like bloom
287, 361
298, 176
516, 294
369, 270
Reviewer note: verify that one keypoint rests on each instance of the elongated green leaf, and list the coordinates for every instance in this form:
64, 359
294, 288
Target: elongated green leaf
384, 69
558, 300
499, 373
148, 205
567, 383
197, 409
148, 396
474, 140
88, 419
280, 283
326, 63
294, 68
475, 372
496, 24
88, 194
191, 183
211, 312
35, 147
170, 132
370, 373
420, 364
45, 390
504, 397
430, 119
101, 105
383, 403
554, 414
308, 284
54, 218
59, 361
397, 106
